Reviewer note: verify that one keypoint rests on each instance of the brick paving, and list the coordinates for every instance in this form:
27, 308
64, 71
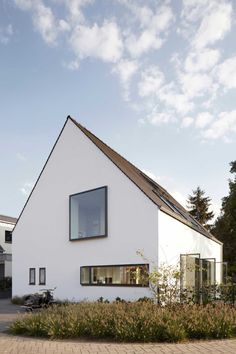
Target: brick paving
22, 345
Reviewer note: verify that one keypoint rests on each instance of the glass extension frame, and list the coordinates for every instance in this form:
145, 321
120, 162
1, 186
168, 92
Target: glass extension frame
94, 224
126, 275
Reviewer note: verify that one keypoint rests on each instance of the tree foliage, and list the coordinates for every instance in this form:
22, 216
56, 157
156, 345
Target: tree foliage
225, 225
198, 205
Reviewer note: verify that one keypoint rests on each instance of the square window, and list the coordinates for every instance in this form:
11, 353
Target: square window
8, 236
88, 214
42, 276
32, 276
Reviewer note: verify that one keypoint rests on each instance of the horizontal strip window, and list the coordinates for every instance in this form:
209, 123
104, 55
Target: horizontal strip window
115, 275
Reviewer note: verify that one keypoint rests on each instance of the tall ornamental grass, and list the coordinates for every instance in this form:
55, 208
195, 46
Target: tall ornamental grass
130, 322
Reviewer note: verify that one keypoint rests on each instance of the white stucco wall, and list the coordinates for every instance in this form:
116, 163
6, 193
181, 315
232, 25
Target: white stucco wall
3, 227
6, 246
41, 237
176, 238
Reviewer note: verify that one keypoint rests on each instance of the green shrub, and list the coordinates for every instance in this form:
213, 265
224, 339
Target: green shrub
141, 321
18, 300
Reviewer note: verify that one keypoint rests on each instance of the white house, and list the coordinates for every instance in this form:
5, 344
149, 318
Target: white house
89, 213
7, 223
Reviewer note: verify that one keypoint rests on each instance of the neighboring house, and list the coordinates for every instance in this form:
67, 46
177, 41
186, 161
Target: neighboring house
6, 225
89, 213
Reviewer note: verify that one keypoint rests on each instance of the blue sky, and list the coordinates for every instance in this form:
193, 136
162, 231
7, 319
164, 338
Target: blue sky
156, 80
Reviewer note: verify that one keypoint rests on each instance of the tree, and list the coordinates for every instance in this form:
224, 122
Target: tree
225, 225
198, 206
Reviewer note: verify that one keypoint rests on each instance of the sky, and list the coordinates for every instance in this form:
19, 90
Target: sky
155, 80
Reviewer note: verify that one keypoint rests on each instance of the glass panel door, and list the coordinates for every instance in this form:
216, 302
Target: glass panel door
190, 277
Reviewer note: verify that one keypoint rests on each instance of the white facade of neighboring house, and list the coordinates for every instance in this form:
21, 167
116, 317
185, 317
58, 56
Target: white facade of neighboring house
7, 223
88, 215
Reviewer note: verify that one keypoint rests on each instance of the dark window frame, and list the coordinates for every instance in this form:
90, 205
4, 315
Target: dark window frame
7, 234
114, 265
40, 270
34, 272
106, 215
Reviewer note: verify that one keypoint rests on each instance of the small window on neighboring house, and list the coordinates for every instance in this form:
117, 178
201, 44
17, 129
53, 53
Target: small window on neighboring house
42, 276
32, 276
8, 236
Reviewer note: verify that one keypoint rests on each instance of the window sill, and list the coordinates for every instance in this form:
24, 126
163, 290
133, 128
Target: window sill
86, 238
118, 285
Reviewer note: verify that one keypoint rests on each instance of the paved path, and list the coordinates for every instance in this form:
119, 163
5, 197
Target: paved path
21, 345
8, 312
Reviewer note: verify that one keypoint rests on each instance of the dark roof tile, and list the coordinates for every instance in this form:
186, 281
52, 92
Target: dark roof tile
149, 187
8, 219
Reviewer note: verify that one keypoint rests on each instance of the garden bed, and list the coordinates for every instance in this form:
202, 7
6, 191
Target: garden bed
130, 322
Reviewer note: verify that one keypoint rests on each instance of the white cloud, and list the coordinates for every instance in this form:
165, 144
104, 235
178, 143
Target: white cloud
168, 92
187, 121
205, 22
25, 4
194, 85
72, 65
44, 20
74, 8
203, 119
26, 189
102, 42
227, 73
157, 20
151, 80
6, 33
126, 69
192, 10
203, 60
158, 118
153, 24
221, 127
138, 45
215, 24
172, 98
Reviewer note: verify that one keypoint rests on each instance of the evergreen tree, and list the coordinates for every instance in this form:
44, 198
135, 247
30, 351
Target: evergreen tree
198, 205
225, 225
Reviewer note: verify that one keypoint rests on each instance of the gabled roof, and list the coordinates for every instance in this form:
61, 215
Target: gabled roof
8, 219
149, 187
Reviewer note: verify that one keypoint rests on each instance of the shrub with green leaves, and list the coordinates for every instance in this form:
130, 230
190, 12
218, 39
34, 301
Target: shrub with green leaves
142, 321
